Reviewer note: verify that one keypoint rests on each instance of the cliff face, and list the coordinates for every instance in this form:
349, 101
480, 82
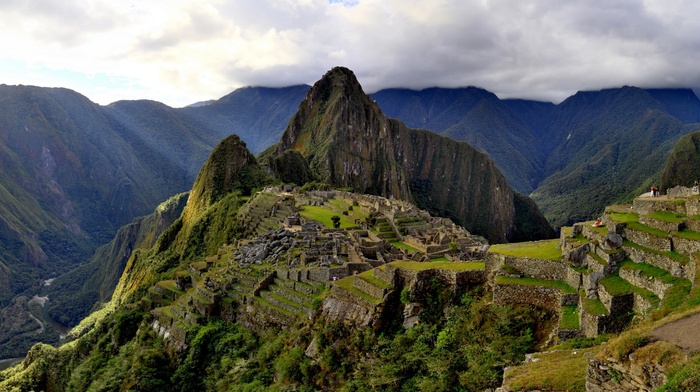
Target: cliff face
683, 164
349, 142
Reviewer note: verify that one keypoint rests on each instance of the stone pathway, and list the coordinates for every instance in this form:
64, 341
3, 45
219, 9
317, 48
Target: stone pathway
683, 332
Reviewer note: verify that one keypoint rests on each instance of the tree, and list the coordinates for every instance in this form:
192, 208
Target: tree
336, 221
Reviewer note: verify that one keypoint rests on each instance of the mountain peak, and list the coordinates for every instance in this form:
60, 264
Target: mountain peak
347, 141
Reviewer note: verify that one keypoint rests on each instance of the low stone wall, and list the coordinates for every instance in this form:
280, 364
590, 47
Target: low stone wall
692, 207
538, 268
685, 246
591, 326
642, 306
611, 375
573, 278
368, 288
649, 240
387, 274
656, 286
645, 206
616, 304
668, 227
542, 297
693, 224
676, 268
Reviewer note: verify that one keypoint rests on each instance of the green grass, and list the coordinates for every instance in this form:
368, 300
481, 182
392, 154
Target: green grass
439, 259
624, 217
672, 255
597, 258
547, 250
569, 317
615, 286
563, 370
648, 270
347, 284
667, 216
323, 215
369, 277
446, 265
688, 235
403, 245
646, 229
527, 281
594, 306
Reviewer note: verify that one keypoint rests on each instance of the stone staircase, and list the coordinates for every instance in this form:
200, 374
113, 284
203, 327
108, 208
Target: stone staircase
644, 258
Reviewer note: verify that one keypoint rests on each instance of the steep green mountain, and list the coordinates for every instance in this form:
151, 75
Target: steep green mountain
73, 172
69, 180
683, 163
478, 117
611, 147
349, 142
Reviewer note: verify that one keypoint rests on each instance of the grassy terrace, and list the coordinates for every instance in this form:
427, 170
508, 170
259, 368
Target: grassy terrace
647, 229
446, 265
569, 317
323, 215
527, 281
667, 216
403, 245
649, 271
688, 235
672, 255
597, 258
369, 277
594, 306
626, 217
347, 284
547, 250
615, 286
578, 240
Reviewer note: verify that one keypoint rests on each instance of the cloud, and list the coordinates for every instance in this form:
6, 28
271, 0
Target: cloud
181, 51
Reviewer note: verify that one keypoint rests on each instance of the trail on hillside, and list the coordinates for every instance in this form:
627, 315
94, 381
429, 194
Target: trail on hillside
682, 332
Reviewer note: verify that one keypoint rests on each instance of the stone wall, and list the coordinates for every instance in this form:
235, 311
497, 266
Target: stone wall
685, 246
645, 206
611, 375
668, 227
538, 268
573, 278
676, 268
650, 283
616, 304
368, 288
649, 240
542, 297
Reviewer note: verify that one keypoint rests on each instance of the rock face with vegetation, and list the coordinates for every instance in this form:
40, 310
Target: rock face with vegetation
683, 164
348, 142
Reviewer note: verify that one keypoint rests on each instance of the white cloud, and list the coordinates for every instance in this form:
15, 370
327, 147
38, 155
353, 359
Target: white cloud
181, 51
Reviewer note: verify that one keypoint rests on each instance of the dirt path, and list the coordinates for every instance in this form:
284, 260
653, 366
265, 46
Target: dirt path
684, 332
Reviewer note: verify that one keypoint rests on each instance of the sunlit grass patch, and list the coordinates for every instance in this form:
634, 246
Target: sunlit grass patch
547, 249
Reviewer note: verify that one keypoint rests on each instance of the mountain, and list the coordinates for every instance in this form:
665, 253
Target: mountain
481, 119
683, 163
72, 172
349, 142
593, 149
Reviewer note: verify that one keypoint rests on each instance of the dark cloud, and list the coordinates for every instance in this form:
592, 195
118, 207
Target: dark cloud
542, 49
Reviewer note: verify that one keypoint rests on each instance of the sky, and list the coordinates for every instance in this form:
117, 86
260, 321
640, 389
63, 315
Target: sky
183, 51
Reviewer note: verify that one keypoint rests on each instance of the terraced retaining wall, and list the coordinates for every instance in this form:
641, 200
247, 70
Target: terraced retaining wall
542, 297
675, 267
536, 268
